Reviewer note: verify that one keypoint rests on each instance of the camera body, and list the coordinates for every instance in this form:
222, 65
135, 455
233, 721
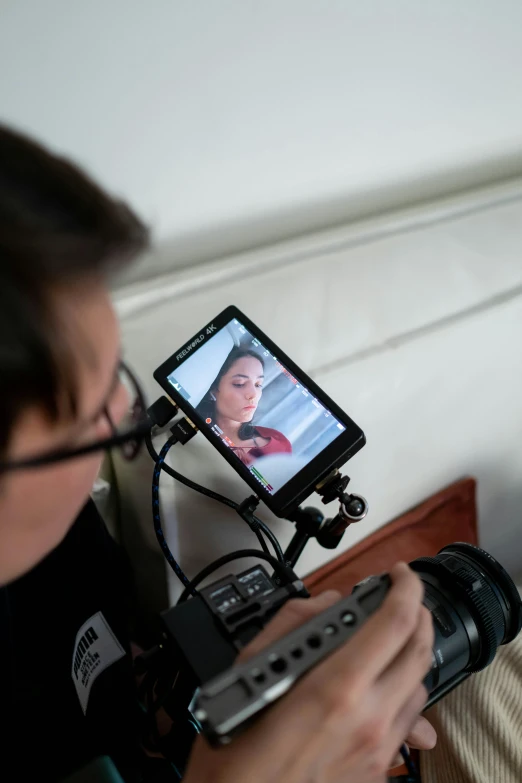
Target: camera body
206, 633
473, 602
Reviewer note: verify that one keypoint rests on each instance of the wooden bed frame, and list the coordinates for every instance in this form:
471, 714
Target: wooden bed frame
448, 516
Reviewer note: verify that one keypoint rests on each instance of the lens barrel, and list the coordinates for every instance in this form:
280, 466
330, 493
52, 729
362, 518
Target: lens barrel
475, 608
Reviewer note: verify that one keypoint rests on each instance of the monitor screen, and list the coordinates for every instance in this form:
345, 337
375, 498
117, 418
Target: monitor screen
266, 416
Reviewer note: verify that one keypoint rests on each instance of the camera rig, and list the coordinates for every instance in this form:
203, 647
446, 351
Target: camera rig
202, 635
191, 673
474, 604
232, 610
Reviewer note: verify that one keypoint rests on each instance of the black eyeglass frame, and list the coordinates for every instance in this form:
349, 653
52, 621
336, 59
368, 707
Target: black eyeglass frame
136, 435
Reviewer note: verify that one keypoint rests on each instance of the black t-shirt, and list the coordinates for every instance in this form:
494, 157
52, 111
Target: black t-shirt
67, 689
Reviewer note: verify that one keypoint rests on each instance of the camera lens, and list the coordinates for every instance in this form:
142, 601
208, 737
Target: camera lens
475, 608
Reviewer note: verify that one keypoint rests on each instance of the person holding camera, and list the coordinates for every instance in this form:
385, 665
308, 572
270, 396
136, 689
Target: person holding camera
65, 583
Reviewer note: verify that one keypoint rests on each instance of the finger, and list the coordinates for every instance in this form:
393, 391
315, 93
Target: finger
422, 736
402, 678
406, 718
293, 614
398, 761
376, 644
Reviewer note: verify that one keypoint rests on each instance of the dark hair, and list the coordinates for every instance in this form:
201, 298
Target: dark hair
207, 406
56, 227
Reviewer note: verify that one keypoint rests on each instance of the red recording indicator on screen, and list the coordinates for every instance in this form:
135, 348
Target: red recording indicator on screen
285, 372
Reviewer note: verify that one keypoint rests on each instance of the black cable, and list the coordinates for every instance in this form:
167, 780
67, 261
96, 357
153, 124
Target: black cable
188, 482
165, 691
220, 499
258, 534
157, 520
143, 687
282, 570
255, 527
150, 447
271, 537
408, 761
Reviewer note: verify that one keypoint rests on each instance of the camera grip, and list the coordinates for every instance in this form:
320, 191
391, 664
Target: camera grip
228, 703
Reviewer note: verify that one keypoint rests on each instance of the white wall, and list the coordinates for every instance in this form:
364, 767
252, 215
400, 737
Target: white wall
209, 113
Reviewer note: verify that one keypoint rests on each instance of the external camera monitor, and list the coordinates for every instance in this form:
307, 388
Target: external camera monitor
268, 419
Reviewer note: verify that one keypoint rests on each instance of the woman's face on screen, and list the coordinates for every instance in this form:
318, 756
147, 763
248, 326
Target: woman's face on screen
240, 389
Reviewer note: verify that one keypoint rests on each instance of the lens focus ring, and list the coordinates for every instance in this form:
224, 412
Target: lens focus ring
482, 602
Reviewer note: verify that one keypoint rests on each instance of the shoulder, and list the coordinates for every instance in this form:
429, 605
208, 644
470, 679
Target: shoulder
276, 438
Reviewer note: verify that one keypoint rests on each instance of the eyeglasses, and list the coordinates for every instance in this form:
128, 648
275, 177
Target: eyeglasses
127, 436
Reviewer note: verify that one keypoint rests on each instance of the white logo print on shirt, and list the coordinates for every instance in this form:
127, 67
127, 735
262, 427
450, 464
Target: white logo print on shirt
95, 648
